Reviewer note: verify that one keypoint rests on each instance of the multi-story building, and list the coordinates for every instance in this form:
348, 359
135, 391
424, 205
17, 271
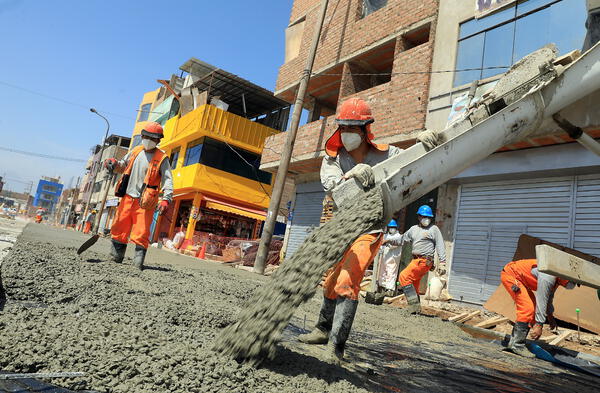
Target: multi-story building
380, 51
47, 193
215, 124
545, 186
116, 146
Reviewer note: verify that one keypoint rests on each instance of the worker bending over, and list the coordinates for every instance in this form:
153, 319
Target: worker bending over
89, 221
521, 279
426, 239
391, 250
146, 170
350, 152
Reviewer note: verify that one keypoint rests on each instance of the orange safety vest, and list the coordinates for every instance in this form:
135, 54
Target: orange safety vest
151, 184
522, 271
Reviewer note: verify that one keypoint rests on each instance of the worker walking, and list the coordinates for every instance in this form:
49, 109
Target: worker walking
391, 250
146, 170
521, 278
89, 221
426, 239
350, 153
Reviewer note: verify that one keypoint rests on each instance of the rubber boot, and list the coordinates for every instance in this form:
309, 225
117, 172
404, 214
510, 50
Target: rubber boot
345, 310
117, 251
320, 334
516, 344
140, 255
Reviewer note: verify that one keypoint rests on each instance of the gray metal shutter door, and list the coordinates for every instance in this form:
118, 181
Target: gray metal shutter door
491, 216
587, 215
307, 215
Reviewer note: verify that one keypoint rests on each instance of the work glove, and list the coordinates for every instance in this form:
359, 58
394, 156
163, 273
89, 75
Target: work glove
110, 164
442, 268
363, 173
430, 139
162, 207
536, 331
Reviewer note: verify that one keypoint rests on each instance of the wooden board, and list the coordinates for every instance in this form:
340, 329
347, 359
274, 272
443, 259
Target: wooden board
492, 322
562, 264
561, 337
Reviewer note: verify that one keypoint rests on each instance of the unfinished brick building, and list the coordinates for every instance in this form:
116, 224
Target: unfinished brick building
377, 50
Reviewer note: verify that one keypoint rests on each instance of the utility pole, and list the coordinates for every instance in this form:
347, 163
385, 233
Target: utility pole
286, 155
87, 205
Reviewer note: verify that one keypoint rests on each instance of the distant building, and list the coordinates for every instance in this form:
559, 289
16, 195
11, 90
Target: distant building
47, 194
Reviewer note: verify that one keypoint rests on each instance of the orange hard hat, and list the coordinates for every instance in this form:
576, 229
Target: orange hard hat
352, 112
153, 130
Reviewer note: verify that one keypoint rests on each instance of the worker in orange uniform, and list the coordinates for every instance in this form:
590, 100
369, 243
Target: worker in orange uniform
146, 170
521, 278
39, 215
89, 221
426, 239
350, 153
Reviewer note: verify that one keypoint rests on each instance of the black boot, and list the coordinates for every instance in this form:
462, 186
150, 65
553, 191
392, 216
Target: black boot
140, 255
345, 310
117, 251
516, 344
320, 333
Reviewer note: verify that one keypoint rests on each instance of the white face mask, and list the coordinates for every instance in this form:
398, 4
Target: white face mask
392, 231
351, 140
425, 221
570, 285
149, 144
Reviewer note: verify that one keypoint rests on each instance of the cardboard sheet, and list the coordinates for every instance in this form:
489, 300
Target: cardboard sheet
565, 301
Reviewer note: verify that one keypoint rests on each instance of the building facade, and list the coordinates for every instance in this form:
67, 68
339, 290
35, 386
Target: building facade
380, 51
545, 186
47, 194
215, 124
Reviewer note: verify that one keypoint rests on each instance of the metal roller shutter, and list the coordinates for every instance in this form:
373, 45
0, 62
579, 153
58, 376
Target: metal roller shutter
587, 215
306, 216
491, 216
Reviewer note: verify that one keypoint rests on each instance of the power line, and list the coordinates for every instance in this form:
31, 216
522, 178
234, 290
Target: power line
37, 93
32, 154
415, 72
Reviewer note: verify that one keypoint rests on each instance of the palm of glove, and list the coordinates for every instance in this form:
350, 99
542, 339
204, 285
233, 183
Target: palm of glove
363, 173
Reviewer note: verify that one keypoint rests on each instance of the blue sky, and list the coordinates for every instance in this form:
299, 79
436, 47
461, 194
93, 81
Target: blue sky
106, 54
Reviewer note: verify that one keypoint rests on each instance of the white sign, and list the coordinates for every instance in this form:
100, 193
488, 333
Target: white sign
112, 202
485, 7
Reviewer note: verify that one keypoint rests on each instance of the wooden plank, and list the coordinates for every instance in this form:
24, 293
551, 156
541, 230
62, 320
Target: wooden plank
561, 337
461, 315
565, 265
468, 316
497, 320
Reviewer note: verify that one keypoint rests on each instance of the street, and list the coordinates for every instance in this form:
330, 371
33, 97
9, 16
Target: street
134, 331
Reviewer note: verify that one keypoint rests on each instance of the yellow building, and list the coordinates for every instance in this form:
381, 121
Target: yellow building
215, 125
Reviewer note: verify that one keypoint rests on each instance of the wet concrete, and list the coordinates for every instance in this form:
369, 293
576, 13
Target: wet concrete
152, 332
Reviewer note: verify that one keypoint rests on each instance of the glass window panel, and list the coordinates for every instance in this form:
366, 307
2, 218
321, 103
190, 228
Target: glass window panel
498, 49
476, 25
174, 157
531, 33
567, 25
531, 5
469, 55
193, 152
144, 112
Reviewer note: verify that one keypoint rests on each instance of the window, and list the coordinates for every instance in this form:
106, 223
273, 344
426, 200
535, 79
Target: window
136, 141
144, 112
495, 42
370, 6
192, 154
219, 155
174, 157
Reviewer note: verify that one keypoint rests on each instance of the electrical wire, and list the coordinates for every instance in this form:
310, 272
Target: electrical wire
32, 154
58, 99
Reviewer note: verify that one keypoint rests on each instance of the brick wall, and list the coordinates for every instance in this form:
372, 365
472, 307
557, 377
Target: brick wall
344, 33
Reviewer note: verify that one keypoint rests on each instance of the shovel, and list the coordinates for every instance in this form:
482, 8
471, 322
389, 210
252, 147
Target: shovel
92, 240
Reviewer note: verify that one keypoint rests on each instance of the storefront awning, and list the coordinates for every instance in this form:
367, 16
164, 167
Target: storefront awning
223, 206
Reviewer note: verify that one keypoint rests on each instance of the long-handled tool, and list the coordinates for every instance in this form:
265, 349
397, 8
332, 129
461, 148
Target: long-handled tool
374, 296
92, 240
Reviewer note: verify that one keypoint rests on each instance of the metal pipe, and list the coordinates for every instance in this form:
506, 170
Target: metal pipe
578, 134
286, 155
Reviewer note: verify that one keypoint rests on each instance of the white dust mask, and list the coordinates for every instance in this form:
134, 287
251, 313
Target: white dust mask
425, 221
149, 144
392, 231
351, 140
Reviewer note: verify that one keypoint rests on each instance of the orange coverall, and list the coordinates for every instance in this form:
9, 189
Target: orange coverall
132, 221
414, 272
